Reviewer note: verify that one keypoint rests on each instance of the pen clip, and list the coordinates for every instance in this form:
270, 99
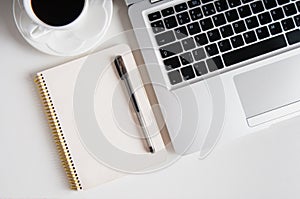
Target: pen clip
120, 65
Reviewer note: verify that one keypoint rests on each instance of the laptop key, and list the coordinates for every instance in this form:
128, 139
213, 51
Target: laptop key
213, 35
208, 9
264, 18
200, 68
250, 37
188, 44
224, 45
199, 54
239, 26
175, 77
257, 7
221, 5
201, 39
270, 4
252, 22
181, 7
214, 64
232, 15
193, 3
154, 16
183, 18
181, 32
165, 38
196, 14
262, 33
219, 19
293, 37
245, 11
297, 20
206, 24
275, 28
186, 58
237, 41
290, 9
170, 50
277, 14
157, 26
212, 50
254, 50
288, 24
170, 22
168, 11
193, 28
281, 2
172, 63
298, 5
226, 31
234, 3
187, 73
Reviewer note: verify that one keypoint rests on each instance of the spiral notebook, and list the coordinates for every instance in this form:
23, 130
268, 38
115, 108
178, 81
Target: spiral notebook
89, 115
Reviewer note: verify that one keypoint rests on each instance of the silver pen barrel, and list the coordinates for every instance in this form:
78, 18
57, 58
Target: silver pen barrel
139, 115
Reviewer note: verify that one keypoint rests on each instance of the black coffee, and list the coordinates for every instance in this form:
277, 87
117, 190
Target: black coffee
57, 12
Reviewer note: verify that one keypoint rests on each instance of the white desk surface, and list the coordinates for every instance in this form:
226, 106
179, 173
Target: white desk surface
262, 165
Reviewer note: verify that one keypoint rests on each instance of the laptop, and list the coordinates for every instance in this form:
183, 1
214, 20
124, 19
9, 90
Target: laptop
220, 68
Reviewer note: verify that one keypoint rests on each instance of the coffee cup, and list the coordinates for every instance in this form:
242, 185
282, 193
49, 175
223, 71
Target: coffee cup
49, 15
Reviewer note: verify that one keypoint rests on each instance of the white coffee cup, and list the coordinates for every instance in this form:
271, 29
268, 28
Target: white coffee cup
39, 28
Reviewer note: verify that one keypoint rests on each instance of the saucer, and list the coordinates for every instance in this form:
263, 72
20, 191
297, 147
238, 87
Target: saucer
85, 36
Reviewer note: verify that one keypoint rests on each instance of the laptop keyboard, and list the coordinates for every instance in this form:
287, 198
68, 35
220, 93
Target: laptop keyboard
199, 37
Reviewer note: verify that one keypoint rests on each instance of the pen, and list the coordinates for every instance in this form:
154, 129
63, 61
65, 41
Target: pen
121, 68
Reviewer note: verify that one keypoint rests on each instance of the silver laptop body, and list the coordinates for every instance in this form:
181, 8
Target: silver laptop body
219, 96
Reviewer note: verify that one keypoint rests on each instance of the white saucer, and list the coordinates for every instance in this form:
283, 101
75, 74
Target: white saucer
82, 38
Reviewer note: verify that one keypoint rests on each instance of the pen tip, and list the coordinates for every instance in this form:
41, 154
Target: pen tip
151, 149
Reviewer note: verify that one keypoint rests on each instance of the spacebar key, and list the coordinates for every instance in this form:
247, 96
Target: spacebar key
254, 50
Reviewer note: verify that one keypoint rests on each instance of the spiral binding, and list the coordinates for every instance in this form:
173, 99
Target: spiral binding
57, 132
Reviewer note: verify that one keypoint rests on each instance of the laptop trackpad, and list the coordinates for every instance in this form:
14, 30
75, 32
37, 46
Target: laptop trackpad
270, 92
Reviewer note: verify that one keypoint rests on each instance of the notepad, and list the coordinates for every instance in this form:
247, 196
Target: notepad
89, 114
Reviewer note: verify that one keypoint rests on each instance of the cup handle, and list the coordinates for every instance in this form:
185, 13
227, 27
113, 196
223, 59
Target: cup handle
36, 31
